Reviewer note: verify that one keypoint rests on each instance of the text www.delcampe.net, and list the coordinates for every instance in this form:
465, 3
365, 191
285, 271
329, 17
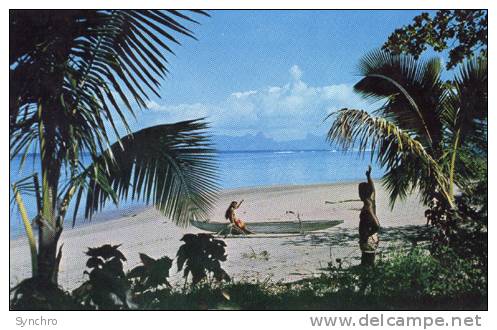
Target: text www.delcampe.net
381, 320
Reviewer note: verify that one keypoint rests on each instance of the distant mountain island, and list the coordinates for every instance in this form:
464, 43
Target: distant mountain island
260, 142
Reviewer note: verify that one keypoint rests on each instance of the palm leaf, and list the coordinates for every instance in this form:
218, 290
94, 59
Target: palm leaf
102, 64
171, 166
465, 117
394, 148
412, 89
466, 108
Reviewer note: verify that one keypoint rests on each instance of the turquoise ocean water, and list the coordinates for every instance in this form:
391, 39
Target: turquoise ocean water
240, 169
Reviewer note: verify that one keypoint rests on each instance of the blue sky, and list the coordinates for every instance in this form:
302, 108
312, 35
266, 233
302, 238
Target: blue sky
275, 72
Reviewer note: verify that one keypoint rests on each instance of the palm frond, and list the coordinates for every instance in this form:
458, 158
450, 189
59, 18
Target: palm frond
26, 186
171, 166
412, 90
466, 108
394, 148
102, 65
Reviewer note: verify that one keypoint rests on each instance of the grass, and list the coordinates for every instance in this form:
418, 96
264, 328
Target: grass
407, 280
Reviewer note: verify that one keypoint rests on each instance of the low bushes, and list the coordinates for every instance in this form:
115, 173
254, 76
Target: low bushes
402, 280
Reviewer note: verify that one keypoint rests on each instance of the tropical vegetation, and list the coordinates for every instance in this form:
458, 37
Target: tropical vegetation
430, 135
87, 79
89, 71
407, 279
426, 129
463, 32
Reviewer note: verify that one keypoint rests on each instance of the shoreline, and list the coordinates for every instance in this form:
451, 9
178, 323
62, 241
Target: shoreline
132, 210
290, 258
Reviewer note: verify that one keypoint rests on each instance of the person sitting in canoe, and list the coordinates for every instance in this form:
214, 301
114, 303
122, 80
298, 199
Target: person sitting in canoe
235, 221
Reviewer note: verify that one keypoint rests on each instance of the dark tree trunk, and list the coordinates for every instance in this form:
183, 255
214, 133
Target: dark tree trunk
48, 255
49, 222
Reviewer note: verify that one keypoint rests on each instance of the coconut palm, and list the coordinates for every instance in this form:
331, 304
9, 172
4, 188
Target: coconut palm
423, 124
74, 76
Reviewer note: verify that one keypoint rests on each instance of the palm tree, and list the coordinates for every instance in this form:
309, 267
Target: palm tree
72, 73
422, 126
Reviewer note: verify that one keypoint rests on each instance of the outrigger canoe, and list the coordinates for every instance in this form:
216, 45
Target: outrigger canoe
275, 227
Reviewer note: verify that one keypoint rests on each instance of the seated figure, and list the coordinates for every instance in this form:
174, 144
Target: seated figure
238, 225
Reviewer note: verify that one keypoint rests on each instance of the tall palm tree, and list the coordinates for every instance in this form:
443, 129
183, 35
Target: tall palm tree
73, 76
423, 124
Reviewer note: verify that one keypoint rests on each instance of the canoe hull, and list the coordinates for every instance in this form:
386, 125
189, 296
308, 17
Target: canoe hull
278, 227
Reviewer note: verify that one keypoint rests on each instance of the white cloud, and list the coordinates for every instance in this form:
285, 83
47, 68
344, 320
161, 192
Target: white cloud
282, 112
239, 95
296, 72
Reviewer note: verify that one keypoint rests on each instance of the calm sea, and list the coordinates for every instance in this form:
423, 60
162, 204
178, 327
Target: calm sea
240, 169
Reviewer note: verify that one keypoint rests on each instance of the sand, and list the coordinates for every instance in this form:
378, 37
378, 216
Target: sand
286, 258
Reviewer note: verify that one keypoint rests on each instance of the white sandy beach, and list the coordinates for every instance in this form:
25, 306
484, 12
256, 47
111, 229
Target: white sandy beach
289, 258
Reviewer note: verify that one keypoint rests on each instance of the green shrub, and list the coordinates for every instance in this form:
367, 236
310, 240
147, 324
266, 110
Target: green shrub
202, 254
419, 274
31, 294
107, 286
400, 280
149, 280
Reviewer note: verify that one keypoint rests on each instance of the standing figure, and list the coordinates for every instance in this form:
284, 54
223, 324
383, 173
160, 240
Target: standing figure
368, 221
238, 224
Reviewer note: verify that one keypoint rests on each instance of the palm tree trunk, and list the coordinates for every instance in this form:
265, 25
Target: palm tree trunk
453, 163
50, 223
48, 237
48, 257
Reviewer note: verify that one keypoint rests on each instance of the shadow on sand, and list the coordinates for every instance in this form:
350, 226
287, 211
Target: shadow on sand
410, 235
